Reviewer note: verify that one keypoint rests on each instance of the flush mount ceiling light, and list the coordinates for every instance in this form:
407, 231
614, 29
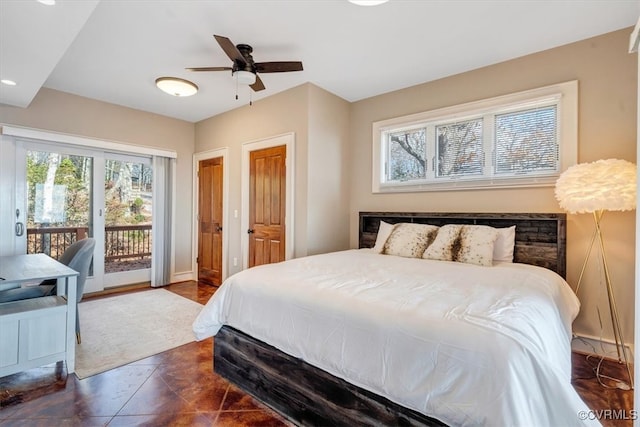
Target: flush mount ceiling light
8, 82
368, 2
176, 86
244, 77
47, 2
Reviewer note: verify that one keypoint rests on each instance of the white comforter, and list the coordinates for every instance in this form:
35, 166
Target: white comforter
465, 344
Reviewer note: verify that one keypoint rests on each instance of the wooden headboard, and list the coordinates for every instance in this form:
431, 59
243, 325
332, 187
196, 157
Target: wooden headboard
541, 238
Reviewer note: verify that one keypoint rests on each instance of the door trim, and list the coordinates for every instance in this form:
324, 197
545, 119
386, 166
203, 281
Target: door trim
288, 140
197, 157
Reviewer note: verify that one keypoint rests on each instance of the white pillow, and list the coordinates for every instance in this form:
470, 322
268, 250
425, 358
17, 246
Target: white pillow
504, 244
472, 244
410, 240
384, 230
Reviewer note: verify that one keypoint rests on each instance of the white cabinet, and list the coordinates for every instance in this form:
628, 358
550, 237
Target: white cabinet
33, 333
37, 331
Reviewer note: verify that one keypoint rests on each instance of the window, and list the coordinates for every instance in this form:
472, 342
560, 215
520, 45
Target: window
524, 139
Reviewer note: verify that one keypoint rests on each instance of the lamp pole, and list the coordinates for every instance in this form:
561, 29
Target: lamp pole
613, 309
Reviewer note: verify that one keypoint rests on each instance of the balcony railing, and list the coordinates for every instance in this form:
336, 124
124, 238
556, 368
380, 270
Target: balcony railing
127, 247
53, 241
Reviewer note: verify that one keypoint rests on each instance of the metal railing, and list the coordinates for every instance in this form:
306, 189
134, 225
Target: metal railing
127, 241
122, 242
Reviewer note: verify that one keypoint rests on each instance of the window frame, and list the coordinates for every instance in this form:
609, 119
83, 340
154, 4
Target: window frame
563, 95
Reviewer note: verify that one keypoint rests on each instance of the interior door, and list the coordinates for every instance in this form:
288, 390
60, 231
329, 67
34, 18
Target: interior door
210, 177
267, 202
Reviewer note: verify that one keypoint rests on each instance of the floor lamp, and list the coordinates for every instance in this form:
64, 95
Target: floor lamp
603, 185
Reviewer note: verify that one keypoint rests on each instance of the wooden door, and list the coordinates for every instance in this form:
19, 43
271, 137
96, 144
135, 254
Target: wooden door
267, 197
210, 221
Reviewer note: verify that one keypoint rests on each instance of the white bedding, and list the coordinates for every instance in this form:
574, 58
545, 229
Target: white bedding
465, 344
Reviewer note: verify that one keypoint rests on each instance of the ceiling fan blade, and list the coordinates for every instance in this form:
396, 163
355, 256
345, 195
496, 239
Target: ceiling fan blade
209, 69
278, 66
231, 50
258, 85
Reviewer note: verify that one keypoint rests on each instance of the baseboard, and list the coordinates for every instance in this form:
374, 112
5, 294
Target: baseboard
599, 346
183, 276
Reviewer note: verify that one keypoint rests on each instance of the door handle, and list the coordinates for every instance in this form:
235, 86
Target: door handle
218, 228
19, 229
251, 231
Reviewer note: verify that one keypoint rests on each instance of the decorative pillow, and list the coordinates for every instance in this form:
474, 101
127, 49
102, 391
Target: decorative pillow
410, 240
504, 244
472, 244
384, 230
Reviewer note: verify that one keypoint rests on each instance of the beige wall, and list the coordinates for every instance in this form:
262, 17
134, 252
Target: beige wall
328, 173
319, 121
62, 112
607, 77
276, 115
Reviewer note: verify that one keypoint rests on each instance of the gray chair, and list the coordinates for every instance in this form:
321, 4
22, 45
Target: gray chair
77, 257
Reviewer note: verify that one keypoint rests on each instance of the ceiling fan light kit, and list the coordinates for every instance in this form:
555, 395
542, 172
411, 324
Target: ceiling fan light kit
244, 77
176, 86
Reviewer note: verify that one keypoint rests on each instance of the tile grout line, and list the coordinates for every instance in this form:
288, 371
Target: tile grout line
134, 393
224, 398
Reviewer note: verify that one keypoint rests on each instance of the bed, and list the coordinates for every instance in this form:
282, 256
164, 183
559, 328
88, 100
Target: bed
360, 337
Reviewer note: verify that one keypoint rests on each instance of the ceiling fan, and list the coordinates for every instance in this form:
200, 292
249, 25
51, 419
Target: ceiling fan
244, 69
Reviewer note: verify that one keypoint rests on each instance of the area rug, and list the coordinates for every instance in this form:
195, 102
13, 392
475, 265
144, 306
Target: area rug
122, 329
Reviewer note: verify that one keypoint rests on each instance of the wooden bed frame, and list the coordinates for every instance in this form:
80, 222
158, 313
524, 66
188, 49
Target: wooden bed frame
306, 395
541, 238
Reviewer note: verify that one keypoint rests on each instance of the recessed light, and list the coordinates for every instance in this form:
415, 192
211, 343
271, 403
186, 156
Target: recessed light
368, 2
8, 82
176, 86
47, 2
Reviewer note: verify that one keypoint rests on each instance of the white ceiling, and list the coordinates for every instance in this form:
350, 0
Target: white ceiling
113, 50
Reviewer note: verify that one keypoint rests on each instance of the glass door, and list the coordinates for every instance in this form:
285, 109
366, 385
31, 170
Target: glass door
69, 193
59, 201
59, 190
128, 205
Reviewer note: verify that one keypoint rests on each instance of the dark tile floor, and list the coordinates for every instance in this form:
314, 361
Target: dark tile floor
179, 388
174, 388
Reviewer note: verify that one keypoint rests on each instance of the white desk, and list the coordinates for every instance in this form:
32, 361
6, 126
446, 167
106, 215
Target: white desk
37, 331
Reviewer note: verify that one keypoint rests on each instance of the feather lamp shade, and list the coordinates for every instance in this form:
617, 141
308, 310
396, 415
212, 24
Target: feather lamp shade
601, 185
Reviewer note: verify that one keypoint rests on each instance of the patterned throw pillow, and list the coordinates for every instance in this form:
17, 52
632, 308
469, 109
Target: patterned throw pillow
409, 240
472, 244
